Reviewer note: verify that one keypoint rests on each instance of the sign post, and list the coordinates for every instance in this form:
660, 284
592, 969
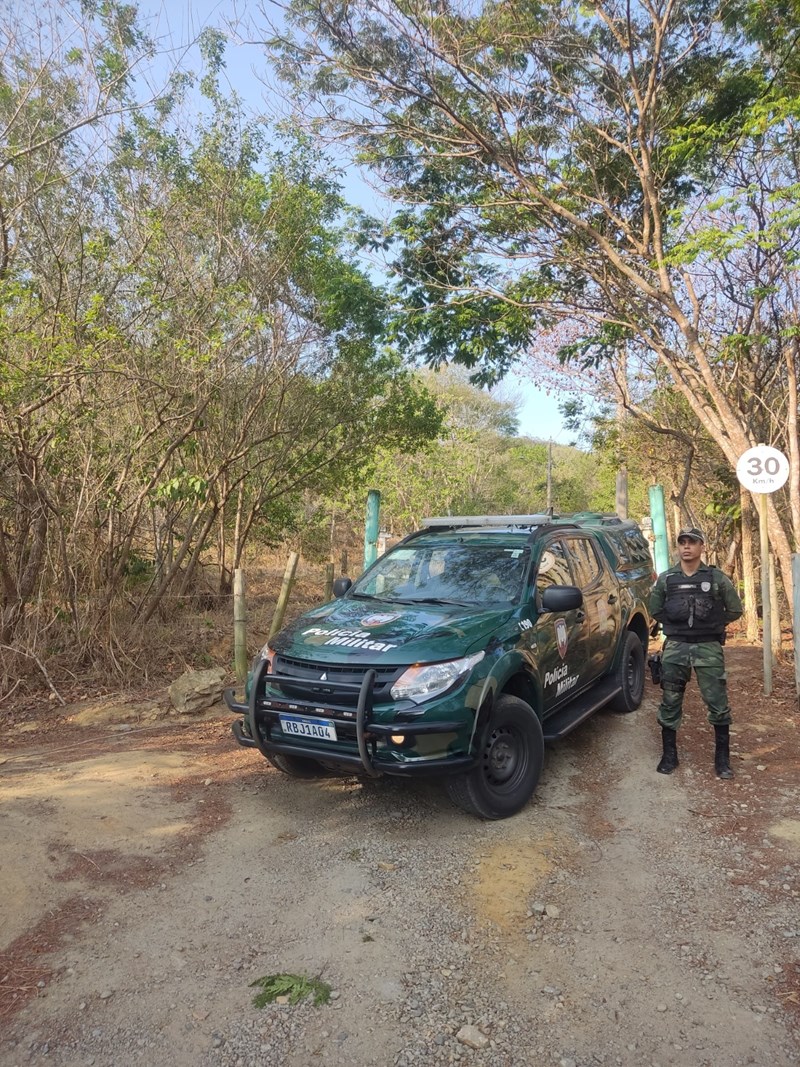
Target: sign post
762, 470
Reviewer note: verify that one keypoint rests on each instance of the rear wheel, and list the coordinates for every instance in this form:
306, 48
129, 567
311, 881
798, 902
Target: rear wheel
298, 766
630, 675
510, 762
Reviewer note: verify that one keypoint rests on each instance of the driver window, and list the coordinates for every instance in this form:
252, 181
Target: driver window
553, 568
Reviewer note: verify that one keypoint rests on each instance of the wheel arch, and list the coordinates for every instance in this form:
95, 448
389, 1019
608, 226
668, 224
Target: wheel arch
519, 683
637, 624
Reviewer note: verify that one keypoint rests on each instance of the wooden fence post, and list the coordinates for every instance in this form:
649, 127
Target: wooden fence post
239, 627
283, 598
796, 618
777, 636
328, 594
343, 564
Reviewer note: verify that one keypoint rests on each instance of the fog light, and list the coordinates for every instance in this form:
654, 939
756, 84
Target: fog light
404, 741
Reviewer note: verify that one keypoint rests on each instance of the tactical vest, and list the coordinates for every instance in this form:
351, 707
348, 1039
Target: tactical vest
693, 608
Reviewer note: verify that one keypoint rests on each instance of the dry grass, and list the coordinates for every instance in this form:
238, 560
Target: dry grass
116, 652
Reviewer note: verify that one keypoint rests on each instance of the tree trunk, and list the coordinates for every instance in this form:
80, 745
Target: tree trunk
779, 542
732, 553
748, 568
224, 583
775, 608
197, 551
725, 424
166, 581
238, 535
793, 435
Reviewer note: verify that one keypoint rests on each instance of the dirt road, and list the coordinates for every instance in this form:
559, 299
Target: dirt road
151, 874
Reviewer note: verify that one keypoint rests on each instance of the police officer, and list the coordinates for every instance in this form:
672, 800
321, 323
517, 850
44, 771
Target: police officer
694, 603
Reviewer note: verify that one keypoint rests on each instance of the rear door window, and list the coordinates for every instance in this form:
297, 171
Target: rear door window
585, 561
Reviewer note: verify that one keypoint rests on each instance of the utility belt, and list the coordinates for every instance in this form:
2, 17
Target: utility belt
698, 639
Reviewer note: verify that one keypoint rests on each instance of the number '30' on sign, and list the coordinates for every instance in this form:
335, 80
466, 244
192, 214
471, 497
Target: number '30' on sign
762, 469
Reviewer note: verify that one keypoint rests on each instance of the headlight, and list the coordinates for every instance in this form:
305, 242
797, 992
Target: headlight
428, 680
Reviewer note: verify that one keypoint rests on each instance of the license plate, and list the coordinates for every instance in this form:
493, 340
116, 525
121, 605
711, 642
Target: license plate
299, 726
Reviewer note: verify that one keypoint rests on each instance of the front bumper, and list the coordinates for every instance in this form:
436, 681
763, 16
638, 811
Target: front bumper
361, 734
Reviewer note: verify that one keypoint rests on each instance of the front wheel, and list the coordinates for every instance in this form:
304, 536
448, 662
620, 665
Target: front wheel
630, 675
510, 762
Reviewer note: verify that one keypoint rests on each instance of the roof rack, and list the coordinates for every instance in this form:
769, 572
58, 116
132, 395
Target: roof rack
486, 520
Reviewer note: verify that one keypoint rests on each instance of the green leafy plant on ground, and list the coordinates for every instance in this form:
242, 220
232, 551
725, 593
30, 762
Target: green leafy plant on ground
294, 986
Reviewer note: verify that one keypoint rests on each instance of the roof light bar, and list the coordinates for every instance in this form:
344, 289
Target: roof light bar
486, 520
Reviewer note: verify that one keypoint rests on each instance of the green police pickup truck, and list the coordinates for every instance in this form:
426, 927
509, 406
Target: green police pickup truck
459, 654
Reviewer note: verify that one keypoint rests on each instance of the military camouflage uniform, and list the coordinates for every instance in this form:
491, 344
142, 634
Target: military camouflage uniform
703, 651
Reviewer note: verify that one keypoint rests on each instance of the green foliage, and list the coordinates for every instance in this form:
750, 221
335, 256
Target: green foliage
138, 571
182, 486
616, 181
190, 343
294, 986
475, 466
519, 156
597, 348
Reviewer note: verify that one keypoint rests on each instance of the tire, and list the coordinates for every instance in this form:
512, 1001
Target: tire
510, 761
630, 675
298, 766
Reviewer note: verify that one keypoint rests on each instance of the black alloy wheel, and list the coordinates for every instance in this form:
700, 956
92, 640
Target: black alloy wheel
510, 762
630, 675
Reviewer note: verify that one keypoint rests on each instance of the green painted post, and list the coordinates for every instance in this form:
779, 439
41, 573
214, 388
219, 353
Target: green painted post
372, 528
658, 515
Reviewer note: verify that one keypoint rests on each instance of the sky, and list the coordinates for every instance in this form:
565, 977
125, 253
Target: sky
176, 23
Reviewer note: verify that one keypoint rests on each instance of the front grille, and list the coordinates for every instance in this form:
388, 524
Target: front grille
309, 687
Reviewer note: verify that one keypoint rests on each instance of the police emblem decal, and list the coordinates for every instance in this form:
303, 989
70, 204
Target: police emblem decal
562, 637
706, 587
380, 618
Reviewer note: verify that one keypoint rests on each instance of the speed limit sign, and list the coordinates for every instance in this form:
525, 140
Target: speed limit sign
762, 469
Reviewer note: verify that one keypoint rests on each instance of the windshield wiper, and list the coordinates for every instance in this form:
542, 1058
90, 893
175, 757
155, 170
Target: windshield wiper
440, 600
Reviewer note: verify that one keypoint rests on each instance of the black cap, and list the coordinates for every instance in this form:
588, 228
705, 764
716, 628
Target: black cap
692, 533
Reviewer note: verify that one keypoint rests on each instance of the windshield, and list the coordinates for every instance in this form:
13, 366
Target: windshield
469, 574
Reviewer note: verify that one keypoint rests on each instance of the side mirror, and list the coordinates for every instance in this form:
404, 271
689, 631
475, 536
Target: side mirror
341, 585
562, 598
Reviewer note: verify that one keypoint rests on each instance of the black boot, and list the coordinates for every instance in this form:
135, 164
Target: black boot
669, 741
722, 755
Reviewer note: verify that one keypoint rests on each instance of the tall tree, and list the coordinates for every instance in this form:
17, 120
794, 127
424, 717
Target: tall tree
475, 466
559, 162
66, 81
188, 339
